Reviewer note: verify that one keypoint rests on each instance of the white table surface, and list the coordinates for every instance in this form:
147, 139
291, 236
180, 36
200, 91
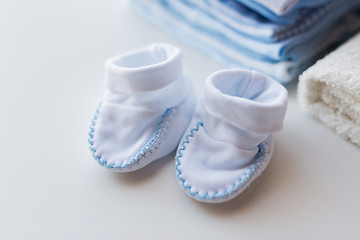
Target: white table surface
51, 72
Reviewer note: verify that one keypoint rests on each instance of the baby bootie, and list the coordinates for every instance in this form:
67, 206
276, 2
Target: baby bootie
229, 140
147, 105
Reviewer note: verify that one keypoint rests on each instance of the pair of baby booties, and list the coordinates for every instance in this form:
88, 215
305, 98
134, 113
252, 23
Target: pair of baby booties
149, 108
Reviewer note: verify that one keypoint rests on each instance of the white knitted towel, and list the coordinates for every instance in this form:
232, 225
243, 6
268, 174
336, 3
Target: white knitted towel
330, 90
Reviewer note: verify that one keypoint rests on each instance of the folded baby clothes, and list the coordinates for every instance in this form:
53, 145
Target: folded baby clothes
330, 90
229, 140
239, 37
281, 11
244, 21
282, 7
220, 50
252, 24
294, 48
147, 105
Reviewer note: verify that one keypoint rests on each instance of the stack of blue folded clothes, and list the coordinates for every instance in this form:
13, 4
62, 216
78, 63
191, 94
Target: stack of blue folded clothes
277, 37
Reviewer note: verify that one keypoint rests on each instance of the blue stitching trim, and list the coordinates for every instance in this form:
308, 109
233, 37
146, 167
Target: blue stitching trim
223, 193
151, 146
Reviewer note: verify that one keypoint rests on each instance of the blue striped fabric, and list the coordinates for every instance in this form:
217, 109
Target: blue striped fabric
241, 37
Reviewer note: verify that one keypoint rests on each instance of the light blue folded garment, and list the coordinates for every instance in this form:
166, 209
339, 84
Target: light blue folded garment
281, 11
216, 48
220, 48
293, 48
251, 24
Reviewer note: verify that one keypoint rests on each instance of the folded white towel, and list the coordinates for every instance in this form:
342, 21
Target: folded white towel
330, 90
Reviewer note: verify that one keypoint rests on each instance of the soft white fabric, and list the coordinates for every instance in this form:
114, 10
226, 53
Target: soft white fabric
228, 142
330, 90
147, 105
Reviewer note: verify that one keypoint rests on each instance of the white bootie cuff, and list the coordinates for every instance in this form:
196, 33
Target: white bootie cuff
148, 76
229, 142
147, 105
242, 107
246, 99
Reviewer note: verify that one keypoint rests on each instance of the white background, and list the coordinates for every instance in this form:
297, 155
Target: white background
51, 73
